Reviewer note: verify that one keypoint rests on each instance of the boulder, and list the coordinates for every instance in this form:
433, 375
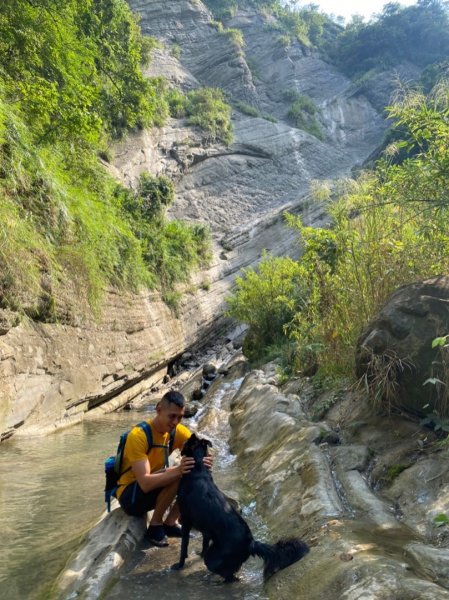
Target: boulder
191, 409
394, 353
209, 370
197, 394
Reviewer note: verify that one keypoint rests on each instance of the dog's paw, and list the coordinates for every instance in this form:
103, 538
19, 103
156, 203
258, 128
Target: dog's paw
177, 566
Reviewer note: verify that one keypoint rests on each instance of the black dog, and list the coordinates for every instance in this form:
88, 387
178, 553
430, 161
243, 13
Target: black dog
227, 539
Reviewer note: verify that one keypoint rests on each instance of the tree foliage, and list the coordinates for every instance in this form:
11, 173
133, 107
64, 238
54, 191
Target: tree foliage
70, 80
73, 66
417, 33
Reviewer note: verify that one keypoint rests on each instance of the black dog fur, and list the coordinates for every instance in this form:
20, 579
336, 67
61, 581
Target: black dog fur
227, 539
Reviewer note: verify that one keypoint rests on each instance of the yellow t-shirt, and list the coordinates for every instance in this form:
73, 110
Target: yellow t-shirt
136, 448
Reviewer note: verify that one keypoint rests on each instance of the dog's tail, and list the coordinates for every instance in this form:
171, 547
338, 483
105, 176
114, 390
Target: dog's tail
280, 555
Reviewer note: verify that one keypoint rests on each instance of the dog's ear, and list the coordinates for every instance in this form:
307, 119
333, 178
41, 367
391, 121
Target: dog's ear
206, 443
188, 444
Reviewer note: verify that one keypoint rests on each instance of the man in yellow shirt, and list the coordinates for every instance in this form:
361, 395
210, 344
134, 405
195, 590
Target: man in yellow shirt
145, 483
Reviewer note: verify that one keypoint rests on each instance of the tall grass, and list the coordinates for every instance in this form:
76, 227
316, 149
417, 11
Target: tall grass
63, 227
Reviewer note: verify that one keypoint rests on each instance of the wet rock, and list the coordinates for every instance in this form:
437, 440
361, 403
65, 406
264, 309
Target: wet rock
351, 457
209, 370
434, 562
395, 349
328, 437
190, 365
191, 408
237, 342
105, 549
186, 357
421, 492
197, 394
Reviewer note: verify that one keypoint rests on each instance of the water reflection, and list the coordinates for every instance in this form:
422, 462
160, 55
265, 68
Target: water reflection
51, 492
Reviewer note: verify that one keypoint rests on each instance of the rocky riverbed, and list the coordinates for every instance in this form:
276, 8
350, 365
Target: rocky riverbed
362, 489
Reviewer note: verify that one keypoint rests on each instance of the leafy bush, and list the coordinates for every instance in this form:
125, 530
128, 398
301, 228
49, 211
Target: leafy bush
207, 109
235, 36
267, 300
302, 115
247, 109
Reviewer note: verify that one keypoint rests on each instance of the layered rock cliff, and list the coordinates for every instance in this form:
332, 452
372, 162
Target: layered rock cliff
53, 374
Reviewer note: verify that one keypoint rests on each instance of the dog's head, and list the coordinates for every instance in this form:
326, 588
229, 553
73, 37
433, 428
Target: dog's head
196, 447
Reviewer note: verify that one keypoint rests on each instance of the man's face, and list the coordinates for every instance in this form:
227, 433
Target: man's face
169, 416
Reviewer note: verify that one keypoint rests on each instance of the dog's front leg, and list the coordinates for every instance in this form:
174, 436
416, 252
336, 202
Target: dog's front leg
206, 542
184, 546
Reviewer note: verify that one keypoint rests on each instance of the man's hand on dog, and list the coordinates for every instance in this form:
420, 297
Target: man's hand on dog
187, 463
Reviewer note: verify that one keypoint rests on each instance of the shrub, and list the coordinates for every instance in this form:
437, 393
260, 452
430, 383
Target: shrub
267, 300
207, 109
302, 115
247, 109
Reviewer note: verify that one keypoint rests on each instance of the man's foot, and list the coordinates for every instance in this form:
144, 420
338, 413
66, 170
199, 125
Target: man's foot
156, 535
173, 530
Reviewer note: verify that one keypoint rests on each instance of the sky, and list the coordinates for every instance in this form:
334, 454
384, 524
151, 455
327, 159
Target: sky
347, 8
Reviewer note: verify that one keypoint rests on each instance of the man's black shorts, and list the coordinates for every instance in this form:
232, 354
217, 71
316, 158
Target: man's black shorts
135, 502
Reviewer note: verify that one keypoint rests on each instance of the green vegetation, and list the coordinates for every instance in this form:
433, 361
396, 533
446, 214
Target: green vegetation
440, 520
306, 25
70, 80
74, 68
302, 113
267, 300
205, 108
394, 471
389, 229
251, 111
417, 33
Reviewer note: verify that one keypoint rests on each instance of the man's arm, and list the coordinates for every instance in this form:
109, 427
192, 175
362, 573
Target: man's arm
149, 481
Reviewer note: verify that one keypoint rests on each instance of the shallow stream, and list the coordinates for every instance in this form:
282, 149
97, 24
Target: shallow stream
51, 491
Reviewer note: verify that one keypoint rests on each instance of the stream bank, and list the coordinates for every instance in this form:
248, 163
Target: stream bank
362, 489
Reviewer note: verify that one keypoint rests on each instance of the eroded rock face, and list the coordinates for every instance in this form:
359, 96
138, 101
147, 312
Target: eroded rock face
270, 164
360, 547
399, 342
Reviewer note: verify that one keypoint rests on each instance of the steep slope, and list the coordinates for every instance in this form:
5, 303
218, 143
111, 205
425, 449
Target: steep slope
269, 164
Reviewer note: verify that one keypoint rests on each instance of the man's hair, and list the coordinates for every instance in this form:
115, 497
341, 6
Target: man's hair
173, 397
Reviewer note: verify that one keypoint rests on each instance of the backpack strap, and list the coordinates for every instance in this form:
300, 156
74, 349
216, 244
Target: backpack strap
147, 429
171, 443
167, 449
